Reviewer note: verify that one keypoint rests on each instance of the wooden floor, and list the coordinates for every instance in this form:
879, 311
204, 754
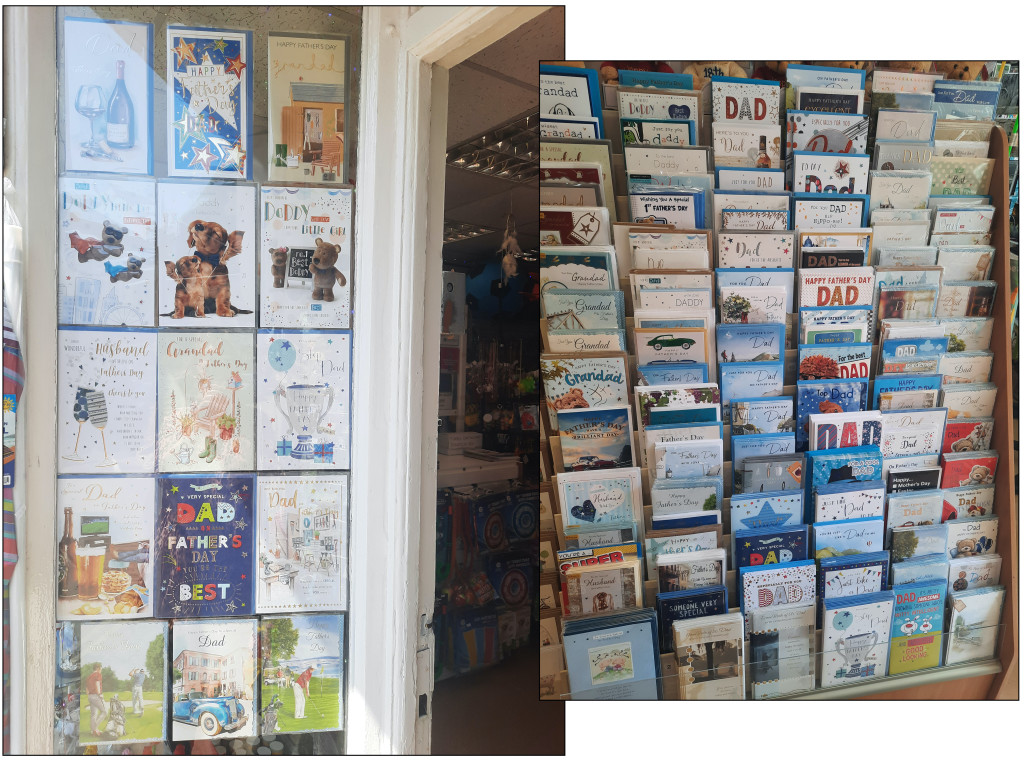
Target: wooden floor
497, 712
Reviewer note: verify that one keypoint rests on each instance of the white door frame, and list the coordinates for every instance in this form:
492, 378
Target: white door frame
397, 298
403, 119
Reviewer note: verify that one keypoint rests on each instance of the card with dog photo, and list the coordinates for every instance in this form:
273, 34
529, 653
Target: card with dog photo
209, 103
206, 399
301, 543
105, 411
206, 241
107, 252
302, 419
306, 251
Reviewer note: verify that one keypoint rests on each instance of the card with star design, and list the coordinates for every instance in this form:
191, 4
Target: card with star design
106, 251
228, 648
105, 412
301, 542
205, 549
816, 172
206, 241
205, 399
303, 399
107, 96
110, 518
767, 547
209, 103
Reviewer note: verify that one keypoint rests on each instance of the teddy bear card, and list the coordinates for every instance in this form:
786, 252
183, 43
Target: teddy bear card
206, 401
303, 399
305, 255
855, 638
967, 537
106, 252
301, 548
110, 575
105, 411
206, 239
572, 381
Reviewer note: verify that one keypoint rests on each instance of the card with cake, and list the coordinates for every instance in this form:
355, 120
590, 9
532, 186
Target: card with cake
591, 498
687, 604
974, 624
839, 502
709, 651
305, 257
304, 394
747, 144
761, 249
206, 238
573, 381
204, 529
830, 99
107, 260
690, 570
232, 645
301, 541
782, 652
578, 267
310, 649
777, 585
604, 588
814, 172
763, 547
108, 380
855, 638
824, 362
968, 501
566, 309
916, 636
969, 400
762, 415
113, 661
975, 572
105, 537
968, 537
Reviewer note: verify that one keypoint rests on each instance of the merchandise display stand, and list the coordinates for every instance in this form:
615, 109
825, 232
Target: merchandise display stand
990, 678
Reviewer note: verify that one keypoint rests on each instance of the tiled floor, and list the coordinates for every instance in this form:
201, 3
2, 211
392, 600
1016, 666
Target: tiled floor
497, 712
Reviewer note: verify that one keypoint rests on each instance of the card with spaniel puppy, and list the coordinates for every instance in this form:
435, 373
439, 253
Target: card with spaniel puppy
206, 241
305, 257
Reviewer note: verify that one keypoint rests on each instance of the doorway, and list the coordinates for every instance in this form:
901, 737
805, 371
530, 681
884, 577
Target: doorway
485, 636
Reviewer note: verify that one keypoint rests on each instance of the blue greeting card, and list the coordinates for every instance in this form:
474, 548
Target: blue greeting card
852, 575
852, 464
656, 79
762, 415
829, 325
205, 550
760, 342
612, 659
688, 603
891, 383
671, 496
758, 445
597, 438
823, 397
672, 373
913, 541
916, 636
209, 102
932, 567
741, 380
598, 499
852, 537
763, 278
761, 547
766, 511
913, 355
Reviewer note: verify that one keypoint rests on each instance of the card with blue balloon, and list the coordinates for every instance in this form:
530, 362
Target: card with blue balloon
209, 103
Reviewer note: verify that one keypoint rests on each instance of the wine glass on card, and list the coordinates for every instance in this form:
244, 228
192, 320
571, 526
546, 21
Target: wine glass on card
91, 104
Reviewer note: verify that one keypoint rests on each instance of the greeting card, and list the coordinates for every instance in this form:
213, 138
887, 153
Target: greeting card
107, 87
825, 132
844, 429
596, 439
125, 675
204, 536
302, 661
645, 103
303, 389
658, 131
969, 400
894, 124
956, 99
670, 345
754, 248
826, 397
855, 638
301, 543
968, 501
782, 652
104, 539
577, 341
852, 575
776, 585
559, 152
753, 219
745, 100
966, 299
207, 277
953, 176
753, 304
747, 144
593, 381
848, 537
590, 268
836, 287
974, 627
830, 99
967, 537
228, 648
905, 189
762, 415
761, 547
305, 256
741, 178
105, 410
826, 213
823, 362
107, 252
205, 401
914, 541
209, 103
974, 573
709, 650
902, 153
838, 502
814, 172
643, 159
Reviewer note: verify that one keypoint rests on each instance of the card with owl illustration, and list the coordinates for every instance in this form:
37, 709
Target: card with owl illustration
855, 638
205, 401
303, 393
105, 413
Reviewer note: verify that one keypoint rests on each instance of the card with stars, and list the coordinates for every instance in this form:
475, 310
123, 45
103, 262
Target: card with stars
205, 546
206, 401
106, 252
764, 547
111, 576
107, 96
301, 543
105, 412
306, 257
207, 243
816, 172
307, 90
209, 102
228, 649
303, 384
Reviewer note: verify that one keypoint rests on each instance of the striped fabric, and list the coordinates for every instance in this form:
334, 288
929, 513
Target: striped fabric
14, 381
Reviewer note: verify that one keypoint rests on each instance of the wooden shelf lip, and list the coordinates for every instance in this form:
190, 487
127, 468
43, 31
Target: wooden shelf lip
901, 681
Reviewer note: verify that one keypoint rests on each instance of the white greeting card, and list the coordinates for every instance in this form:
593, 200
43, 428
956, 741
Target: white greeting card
643, 159
830, 173
895, 124
303, 389
305, 257
855, 640
207, 243
111, 573
740, 144
107, 261
206, 401
301, 549
106, 419
827, 213
906, 189
745, 100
